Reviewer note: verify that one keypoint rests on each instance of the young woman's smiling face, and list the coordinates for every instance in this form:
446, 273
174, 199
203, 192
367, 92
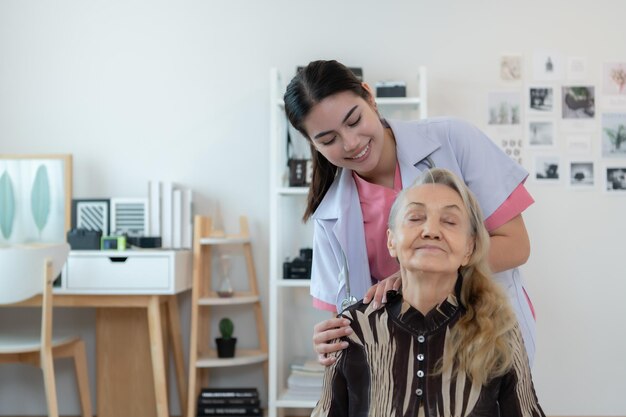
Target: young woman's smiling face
432, 231
346, 130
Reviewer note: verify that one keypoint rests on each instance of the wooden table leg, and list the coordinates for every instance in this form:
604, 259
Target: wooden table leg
177, 350
158, 356
124, 369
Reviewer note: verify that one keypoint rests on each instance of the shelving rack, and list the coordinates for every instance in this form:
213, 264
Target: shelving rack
204, 299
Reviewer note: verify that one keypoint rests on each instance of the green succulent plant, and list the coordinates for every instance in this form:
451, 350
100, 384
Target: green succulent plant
226, 328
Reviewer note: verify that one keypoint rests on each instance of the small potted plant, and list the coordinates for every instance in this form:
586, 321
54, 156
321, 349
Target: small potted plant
226, 343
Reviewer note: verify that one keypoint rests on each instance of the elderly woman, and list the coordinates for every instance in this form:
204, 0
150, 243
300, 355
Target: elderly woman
448, 344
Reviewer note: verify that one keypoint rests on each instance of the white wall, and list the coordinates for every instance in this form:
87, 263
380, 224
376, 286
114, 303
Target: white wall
140, 90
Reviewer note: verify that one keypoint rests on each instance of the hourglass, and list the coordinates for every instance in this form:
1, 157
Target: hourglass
225, 288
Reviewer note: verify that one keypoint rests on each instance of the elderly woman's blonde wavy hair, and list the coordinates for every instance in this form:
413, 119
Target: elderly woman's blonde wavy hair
480, 343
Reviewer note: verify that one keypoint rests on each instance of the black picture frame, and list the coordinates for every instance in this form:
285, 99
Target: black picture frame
91, 214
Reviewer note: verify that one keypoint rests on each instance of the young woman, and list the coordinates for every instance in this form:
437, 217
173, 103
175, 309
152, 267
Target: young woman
448, 344
361, 162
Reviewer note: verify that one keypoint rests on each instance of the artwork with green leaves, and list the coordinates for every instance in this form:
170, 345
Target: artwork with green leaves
35, 198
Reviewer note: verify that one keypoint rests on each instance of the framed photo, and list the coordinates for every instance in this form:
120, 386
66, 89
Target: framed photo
547, 169
613, 135
576, 68
614, 75
547, 66
504, 108
35, 198
540, 100
541, 134
578, 102
129, 215
581, 174
511, 67
616, 179
91, 214
579, 143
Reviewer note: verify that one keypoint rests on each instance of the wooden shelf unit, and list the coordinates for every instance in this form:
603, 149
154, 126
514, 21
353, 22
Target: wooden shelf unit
202, 358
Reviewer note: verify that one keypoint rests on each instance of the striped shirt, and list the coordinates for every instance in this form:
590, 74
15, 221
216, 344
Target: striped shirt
389, 369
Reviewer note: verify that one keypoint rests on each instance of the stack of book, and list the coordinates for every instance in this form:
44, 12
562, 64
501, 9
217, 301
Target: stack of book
234, 402
305, 380
170, 214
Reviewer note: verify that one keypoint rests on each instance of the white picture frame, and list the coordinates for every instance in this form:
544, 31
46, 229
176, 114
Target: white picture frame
541, 134
36, 194
581, 174
541, 100
547, 169
129, 215
615, 179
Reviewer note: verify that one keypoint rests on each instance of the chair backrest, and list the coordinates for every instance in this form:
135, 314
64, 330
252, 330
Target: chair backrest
22, 269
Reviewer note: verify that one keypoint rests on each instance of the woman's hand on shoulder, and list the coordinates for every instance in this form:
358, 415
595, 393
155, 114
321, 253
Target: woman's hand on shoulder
327, 338
378, 292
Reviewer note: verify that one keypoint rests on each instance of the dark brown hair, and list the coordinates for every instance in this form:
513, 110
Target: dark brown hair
312, 84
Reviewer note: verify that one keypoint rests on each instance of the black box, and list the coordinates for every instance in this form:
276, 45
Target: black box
299, 267
144, 241
83, 239
391, 89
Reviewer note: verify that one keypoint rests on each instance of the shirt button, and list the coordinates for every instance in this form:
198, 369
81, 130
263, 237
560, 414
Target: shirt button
420, 357
421, 338
420, 373
418, 391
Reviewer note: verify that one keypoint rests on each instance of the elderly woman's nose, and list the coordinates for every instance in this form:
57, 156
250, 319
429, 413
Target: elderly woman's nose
430, 228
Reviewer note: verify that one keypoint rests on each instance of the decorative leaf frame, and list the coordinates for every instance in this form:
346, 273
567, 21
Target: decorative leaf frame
35, 198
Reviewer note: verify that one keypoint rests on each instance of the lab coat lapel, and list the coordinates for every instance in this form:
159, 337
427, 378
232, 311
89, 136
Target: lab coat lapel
413, 145
342, 205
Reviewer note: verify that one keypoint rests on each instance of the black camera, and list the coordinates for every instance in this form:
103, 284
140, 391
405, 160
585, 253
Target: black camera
299, 267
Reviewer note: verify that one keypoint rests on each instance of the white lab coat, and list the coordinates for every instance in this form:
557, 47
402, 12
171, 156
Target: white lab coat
449, 143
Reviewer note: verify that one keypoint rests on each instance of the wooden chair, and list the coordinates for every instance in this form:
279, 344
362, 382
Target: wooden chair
27, 271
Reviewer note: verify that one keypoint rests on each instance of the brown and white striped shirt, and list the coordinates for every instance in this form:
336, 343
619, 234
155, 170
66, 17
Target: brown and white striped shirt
389, 369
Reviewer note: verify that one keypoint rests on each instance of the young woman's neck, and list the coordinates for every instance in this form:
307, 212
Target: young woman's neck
385, 171
425, 291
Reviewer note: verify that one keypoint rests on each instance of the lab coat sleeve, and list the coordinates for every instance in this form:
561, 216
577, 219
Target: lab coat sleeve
486, 169
325, 269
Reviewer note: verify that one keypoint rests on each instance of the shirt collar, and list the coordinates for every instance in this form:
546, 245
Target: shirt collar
438, 317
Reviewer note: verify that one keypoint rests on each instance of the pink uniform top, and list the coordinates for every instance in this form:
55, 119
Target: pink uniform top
376, 201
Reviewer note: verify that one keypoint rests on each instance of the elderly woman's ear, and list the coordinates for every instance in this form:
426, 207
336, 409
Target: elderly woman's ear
391, 244
470, 251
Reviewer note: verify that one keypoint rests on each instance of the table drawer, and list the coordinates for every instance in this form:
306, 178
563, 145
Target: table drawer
113, 272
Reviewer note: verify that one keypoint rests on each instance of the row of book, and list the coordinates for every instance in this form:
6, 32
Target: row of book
233, 402
170, 214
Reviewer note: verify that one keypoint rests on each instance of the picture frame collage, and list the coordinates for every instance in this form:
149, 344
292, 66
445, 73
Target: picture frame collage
565, 121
